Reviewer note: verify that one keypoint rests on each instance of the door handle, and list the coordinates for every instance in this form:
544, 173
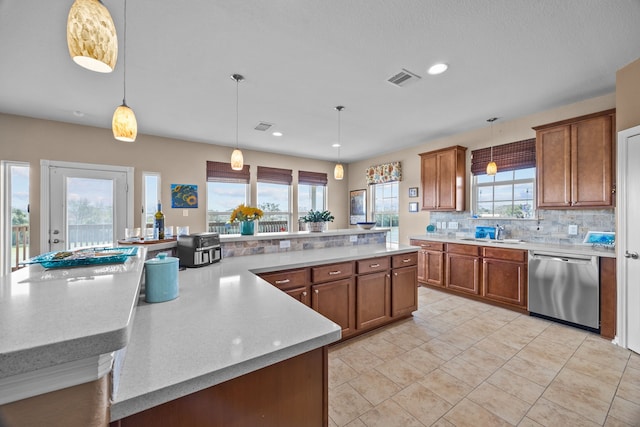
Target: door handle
58, 241
632, 255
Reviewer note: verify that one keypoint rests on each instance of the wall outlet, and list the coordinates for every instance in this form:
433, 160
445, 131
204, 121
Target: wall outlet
285, 244
185, 212
453, 225
442, 225
573, 230
353, 239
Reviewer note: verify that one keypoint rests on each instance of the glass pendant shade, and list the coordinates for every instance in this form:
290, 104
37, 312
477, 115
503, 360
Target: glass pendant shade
124, 124
338, 172
492, 168
91, 36
237, 160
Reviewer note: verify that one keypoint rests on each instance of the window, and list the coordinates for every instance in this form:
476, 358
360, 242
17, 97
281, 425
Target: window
274, 198
226, 189
510, 193
15, 214
385, 208
150, 196
312, 192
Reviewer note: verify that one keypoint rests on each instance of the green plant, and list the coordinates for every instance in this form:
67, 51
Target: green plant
318, 216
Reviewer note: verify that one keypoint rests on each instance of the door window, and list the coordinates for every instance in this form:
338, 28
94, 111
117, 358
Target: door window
15, 214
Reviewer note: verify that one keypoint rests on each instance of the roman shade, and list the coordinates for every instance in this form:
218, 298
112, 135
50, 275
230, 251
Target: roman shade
222, 172
387, 172
508, 157
274, 175
312, 178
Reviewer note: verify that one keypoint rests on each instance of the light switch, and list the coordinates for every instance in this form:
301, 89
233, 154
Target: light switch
573, 230
453, 225
185, 212
353, 239
285, 244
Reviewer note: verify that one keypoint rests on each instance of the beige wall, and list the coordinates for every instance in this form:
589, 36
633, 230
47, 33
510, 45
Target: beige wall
503, 132
179, 162
628, 96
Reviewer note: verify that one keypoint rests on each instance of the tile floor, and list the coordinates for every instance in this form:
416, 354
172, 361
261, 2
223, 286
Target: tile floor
459, 362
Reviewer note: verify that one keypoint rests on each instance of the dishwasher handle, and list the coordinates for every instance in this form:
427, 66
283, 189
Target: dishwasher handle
563, 258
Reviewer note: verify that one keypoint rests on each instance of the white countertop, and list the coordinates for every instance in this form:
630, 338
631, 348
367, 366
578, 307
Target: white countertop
50, 317
226, 322
588, 250
300, 234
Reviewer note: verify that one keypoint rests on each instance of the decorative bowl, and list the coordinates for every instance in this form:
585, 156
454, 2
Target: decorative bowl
366, 225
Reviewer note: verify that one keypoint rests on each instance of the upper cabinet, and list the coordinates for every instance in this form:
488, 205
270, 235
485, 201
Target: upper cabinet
443, 179
575, 162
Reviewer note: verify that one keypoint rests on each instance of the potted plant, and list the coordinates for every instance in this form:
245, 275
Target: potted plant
246, 215
317, 220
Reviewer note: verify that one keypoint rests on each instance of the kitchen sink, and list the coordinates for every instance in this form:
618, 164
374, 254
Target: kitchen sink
505, 241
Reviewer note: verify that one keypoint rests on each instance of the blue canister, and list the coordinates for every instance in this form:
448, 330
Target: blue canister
161, 278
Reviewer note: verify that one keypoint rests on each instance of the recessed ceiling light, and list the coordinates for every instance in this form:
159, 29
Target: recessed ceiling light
78, 113
336, 145
276, 133
437, 69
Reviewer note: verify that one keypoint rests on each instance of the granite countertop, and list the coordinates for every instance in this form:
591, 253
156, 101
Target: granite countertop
588, 250
225, 323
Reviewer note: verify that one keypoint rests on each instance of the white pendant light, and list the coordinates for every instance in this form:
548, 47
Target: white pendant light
237, 160
124, 124
338, 171
91, 36
492, 168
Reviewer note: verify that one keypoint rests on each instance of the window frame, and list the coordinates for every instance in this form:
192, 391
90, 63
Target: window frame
158, 196
475, 199
393, 235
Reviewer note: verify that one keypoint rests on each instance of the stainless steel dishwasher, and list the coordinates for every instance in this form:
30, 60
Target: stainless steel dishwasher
565, 287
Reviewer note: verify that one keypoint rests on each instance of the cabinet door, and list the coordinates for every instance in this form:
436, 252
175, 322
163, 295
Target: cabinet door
553, 164
336, 301
463, 273
373, 300
446, 180
434, 268
404, 291
505, 282
592, 162
429, 178
300, 293
422, 266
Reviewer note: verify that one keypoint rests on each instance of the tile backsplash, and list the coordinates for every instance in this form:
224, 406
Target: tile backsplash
550, 226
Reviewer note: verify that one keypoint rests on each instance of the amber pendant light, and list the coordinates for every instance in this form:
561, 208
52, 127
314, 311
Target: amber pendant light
338, 170
91, 36
237, 159
124, 124
492, 168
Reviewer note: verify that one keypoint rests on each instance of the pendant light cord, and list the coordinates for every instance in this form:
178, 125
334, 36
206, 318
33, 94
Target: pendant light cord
237, 110
124, 57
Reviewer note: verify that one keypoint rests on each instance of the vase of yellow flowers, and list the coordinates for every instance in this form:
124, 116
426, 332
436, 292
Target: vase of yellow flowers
247, 216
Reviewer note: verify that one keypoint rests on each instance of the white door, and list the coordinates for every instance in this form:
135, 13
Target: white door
87, 205
628, 239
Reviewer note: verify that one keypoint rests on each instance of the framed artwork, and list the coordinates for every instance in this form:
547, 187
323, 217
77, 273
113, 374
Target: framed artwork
357, 206
413, 207
184, 196
413, 191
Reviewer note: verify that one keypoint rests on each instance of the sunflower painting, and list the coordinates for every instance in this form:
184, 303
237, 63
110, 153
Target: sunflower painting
184, 196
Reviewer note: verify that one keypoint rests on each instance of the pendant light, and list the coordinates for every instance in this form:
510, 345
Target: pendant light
91, 36
492, 168
338, 171
237, 160
124, 123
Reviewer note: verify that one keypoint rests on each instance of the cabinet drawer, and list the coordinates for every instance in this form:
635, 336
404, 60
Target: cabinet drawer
372, 265
428, 245
288, 278
404, 260
471, 250
505, 254
328, 272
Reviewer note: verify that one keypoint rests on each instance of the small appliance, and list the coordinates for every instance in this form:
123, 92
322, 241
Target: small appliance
199, 249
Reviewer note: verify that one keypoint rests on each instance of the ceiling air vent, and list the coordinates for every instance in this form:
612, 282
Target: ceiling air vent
262, 126
403, 78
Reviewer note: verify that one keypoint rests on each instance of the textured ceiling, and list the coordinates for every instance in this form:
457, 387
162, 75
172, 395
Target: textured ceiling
301, 58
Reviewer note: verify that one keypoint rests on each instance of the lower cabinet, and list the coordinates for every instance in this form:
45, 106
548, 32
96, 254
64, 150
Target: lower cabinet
336, 301
504, 276
404, 291
430, 262
608, 297
463, 268
294, 282
373, 300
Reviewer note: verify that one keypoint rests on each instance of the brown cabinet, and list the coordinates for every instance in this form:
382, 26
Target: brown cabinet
404, 291
373, 300
608, 297
336, 301
575, 162
463, 268
293, 282
430, 262
442, 174
504, 276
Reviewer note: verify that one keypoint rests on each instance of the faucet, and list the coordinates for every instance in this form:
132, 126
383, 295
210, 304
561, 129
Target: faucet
499, 232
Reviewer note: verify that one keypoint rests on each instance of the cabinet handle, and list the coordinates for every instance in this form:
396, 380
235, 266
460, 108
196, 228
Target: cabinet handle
281, 282
333, 273
374, 265
304, 294
406, 260
395, 274
316, 291
425, 246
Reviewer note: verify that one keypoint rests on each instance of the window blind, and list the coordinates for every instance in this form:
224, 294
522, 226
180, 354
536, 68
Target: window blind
274, 175
222, 172
508, 157
312, 178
